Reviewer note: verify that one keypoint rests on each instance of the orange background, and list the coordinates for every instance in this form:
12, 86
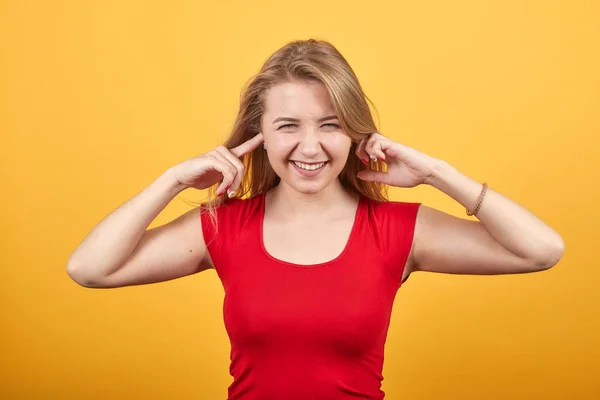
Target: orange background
97, 99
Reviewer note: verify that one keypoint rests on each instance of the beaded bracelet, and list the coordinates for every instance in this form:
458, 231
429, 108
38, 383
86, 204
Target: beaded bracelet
478, 205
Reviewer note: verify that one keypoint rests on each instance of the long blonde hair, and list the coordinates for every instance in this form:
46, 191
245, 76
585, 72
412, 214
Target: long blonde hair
301, 60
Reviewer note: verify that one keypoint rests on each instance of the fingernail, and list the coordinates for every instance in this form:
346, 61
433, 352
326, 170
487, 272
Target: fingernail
364, 162
373, 158
230, 193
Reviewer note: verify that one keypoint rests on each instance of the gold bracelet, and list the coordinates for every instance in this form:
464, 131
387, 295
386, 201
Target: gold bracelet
478, 205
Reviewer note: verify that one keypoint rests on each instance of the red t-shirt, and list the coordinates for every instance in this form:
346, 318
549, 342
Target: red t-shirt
316, 331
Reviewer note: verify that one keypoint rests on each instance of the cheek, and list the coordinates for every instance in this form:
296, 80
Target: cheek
338, 146
280, 146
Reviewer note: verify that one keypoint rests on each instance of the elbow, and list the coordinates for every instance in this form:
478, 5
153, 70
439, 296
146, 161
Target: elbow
550, 256
77, 274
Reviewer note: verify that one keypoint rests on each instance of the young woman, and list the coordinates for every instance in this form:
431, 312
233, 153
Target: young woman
309, 251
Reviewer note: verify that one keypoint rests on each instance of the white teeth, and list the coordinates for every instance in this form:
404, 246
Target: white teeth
308, 167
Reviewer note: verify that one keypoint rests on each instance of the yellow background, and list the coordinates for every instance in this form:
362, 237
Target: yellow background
98, 98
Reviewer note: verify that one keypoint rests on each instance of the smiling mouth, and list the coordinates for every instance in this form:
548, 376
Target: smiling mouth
309, 167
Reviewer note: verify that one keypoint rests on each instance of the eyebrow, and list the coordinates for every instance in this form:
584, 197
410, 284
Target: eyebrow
290, 119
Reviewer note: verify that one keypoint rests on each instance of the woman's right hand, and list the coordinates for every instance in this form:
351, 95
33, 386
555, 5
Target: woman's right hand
220, 164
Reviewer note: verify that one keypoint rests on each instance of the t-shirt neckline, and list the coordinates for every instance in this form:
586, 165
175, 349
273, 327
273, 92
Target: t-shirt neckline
349, 242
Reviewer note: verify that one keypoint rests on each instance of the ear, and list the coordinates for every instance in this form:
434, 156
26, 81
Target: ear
264, 143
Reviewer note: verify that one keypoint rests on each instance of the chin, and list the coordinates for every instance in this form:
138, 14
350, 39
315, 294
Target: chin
300, 187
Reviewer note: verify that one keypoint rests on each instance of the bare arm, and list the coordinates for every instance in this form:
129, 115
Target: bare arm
507, 239
121, 251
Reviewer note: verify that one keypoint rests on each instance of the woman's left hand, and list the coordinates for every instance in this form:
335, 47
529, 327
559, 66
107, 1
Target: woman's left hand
407, 167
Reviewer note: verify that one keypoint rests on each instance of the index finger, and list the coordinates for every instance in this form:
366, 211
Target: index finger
247, 146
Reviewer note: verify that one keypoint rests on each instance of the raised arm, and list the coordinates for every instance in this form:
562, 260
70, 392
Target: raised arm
507, 239
122, 251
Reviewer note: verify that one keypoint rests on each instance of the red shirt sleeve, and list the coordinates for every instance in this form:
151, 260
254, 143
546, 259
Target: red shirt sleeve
221, 232
394, 229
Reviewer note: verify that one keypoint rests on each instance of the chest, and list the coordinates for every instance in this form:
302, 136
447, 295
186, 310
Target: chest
344, 306
306, 242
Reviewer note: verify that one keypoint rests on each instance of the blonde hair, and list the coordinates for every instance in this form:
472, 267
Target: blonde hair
302, 60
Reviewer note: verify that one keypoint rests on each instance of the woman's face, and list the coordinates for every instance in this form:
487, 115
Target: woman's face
304, 141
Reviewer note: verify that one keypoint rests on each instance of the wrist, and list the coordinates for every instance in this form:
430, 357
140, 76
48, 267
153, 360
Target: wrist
169, 182
458, 186
440, 174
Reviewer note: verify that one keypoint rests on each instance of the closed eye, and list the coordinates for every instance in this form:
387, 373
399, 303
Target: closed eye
291, 125
285, 126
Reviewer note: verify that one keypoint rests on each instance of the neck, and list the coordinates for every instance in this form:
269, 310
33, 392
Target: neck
298, 204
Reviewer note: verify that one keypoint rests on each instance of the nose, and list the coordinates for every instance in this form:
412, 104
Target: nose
309, 143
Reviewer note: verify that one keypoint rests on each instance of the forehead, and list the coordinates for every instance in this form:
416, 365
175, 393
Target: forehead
298, 99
